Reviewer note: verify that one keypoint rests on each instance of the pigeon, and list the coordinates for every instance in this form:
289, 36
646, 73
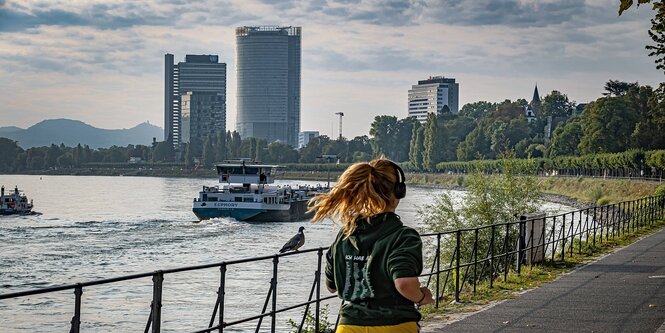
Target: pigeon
295, 242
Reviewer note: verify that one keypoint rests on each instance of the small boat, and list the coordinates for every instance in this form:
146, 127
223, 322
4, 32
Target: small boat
248, 193
14, 203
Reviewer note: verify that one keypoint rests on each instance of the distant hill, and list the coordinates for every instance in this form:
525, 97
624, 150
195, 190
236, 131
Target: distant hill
72, 132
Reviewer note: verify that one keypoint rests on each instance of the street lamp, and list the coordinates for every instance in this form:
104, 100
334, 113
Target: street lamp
328, 158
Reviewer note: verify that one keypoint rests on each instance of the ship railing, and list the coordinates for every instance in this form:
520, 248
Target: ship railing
458, 260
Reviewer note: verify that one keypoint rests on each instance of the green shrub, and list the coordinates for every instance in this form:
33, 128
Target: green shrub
460, 181
660, 190
602, 201
595, 193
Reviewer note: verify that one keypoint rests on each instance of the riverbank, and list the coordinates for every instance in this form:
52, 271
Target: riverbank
579, 192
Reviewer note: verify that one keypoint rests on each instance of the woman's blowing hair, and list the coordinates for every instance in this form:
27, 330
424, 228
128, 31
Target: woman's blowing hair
363, 190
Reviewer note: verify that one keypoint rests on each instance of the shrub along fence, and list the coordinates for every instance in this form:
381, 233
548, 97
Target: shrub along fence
458, 259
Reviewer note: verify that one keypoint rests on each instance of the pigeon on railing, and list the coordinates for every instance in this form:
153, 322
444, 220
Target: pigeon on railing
295, 242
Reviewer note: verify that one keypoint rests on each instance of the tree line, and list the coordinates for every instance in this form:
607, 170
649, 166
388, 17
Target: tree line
628, 116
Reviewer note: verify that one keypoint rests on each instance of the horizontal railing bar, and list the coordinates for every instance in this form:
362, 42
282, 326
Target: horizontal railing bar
267, 314
150, 274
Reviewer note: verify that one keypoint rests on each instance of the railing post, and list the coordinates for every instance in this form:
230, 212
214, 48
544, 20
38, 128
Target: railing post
76, 320
594, 226
157, 280
438, 269
563, 240
521, 243
318, 289
458, 248
275, 262
221, 292
475, 259
492, 257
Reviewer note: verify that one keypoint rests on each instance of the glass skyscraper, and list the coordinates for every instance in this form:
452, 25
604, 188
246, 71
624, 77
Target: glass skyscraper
268, 83
198, 74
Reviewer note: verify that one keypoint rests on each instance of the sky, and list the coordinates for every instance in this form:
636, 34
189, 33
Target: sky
102, 62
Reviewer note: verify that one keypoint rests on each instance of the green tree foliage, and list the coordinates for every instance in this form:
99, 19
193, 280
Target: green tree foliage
279, 153
432, 143
220, 146
383, 133
208, 153
648, 133
490, 199
314, 149
9, 153
607, 125
416, 147
478, 109
566, 139
189, 156
657, 31
555, 104
618, 88
360, 149
163, 152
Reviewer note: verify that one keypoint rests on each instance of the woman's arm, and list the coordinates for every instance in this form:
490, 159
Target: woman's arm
411, 290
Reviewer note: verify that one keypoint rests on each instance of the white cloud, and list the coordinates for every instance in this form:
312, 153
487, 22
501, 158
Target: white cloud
102, 62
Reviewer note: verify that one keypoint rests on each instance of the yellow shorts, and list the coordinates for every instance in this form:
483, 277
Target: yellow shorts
410, 327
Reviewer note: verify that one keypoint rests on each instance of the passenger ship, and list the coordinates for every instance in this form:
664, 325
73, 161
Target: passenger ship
248, 193
14, 203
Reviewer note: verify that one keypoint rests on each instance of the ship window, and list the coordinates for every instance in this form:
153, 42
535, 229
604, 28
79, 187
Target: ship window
248, 199
238, 199
212, 199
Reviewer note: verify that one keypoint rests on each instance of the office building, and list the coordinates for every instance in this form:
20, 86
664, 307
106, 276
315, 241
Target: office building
437, 94
268, 83
202, 116
305, 136
197, 74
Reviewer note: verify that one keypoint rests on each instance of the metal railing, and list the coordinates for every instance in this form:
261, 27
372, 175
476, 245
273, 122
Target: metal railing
472, 255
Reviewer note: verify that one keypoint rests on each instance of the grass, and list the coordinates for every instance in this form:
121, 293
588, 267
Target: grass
531, 276
581, 188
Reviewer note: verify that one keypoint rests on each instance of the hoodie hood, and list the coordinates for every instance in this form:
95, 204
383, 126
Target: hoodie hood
368, 232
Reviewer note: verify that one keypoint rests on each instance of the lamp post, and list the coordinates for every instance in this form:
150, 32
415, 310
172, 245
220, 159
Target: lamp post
328, 158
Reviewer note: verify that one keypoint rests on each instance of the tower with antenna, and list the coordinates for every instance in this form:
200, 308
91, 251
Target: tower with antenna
340, 114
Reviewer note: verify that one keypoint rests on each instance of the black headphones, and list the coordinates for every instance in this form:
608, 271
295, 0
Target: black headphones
400, 186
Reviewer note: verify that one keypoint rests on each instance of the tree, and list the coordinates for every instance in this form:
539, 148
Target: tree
9, 152
162, 152
555, 104
478, 109
208, 152
220, 146
618, 88
607, 125
431, 143
489, 200
383, 132
657, 31
416, 146
189, 156
566, 139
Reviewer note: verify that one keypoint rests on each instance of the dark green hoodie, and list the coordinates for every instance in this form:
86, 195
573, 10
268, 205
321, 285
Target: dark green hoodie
363, 269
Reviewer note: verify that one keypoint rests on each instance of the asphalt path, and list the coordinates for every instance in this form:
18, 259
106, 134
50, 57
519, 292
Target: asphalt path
621, 292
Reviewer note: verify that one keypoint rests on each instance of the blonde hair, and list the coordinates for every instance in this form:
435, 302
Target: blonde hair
363, 190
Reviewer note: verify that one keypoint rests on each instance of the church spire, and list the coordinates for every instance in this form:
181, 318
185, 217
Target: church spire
536, 97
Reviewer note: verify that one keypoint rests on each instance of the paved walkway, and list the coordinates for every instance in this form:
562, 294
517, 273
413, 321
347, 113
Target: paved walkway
622, 292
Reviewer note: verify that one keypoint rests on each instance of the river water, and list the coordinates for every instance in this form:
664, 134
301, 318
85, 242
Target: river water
102, 227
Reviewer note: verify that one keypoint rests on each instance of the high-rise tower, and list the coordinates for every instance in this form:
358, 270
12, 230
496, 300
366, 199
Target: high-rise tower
268, 83
437, 94
198, 74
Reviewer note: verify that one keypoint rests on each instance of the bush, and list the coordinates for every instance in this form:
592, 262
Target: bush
660, 190
595, 193
489, 200
602, 201
460, 181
